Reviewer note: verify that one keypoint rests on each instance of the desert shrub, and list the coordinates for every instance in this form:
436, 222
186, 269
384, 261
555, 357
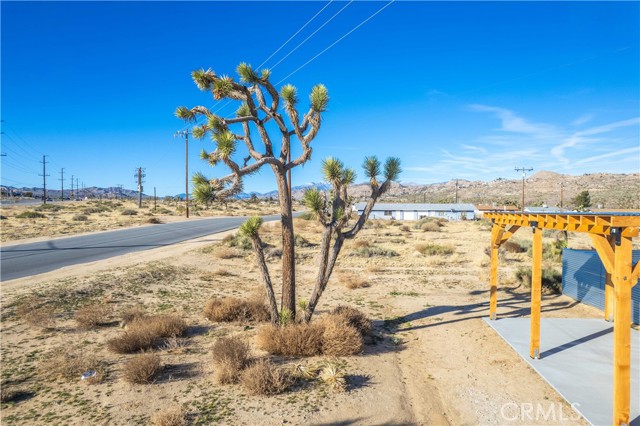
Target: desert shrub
230, 357
405, 228
80, 218
129, 212
274, 253
361, 244
353, 281
301, 241
374, 251
331, 374
551, 279
10, 394
355, 318
239, 241
132, 313
224, 253
266, 378
512, 246
132, 340
96, 209
429, 224
162, 325
170, 417
339, 338
291, 340
49, 207
230, 309
143, 333
430, 227
92, 315
307, 216
30, 215
142, 368
431, 249
70, 364
154, 220
36, 315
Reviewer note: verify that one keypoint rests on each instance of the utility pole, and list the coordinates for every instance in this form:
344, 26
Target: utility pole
139, 174
2, 155
561, 193
77, 188
524, 174
44, 179
456, 191
119, 193
155, 200
61, 184
185, 135
72, 187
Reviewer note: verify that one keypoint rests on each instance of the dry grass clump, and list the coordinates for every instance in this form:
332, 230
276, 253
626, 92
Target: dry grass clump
292, 340
430, 227
36, 315
171, 417
131, 314
142, 368
512, 246
339, 338
355, 318
224, 253
92, 316
230, 357
332, 375
231, 309
352, 281
432, 249
405, 228
143, 333
265, 378
361, 244
70, 364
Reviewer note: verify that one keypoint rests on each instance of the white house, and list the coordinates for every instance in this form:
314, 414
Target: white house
407, 211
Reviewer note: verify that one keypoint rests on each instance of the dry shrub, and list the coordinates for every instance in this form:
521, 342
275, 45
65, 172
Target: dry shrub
131, 314
231, 309
352, 281
171, 417
361, 244
405, 228
292, 340
92, 316
230, 357
144, 332
70, 364
430, 227
162, 325
332, 375
374, 269
339, 338
142, 368
265, 378
431, 249
355, 318
511, 246
224, 253
132, 340
40, 316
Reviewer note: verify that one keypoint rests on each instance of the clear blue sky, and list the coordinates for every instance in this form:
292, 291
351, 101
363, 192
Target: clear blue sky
455, 89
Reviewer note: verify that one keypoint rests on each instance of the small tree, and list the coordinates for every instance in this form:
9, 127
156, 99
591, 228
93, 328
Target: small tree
582, 200
259, 106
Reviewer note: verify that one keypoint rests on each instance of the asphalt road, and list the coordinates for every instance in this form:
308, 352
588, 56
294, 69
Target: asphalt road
23, 260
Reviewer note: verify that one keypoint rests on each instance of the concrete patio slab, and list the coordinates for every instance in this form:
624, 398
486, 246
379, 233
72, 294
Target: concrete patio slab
577, 361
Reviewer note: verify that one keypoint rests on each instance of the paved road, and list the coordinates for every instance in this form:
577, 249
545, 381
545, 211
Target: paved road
35, 258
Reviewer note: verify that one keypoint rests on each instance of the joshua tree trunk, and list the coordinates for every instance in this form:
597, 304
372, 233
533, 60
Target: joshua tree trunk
288, 244
266, 279
321, 282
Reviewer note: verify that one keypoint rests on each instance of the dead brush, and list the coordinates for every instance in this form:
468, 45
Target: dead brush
305, 372
266, 378
339, 338
354, 317
231, 309
358, 244
170, 417
353, 281
143, 333
92, 316
291, 340
35, 313
224, 253
131, 314
70, 364
142, 369
230, 357
332, 375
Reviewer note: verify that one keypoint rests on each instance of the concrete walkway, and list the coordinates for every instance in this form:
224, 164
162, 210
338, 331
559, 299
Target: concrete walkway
577, 361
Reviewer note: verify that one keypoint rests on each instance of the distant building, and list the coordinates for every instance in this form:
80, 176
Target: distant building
482, 208
406, 211
544, 210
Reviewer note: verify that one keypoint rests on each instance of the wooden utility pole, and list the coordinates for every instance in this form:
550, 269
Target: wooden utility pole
561, 193
155, 200
44, 179
524, 174
456, 191
139, 174
61, 184
185, 135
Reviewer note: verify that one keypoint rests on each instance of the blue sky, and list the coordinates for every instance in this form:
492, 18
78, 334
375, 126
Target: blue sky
455, 89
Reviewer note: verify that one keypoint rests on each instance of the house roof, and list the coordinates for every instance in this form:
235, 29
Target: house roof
545, 210
490, 207
460, 207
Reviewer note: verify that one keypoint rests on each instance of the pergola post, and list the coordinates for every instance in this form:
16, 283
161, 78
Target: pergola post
622, 330
536, 291
493, 280
609, 296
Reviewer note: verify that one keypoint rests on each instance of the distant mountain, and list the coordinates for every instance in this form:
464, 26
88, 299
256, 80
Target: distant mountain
297, 193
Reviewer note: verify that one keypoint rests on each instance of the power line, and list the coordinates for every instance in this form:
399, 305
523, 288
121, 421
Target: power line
44, 179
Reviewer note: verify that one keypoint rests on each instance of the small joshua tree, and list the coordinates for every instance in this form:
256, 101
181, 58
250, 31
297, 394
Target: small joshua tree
259, 106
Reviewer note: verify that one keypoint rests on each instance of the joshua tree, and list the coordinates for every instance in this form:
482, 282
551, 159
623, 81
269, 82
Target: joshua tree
260, 103
582, 201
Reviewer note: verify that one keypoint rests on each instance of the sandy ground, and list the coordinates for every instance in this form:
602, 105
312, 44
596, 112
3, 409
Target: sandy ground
435, 362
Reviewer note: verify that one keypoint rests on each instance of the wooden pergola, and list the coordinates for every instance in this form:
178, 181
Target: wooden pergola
611, 235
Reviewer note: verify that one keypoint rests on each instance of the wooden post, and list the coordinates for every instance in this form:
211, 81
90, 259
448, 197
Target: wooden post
493, 280
536, 292
622, 332
609, 296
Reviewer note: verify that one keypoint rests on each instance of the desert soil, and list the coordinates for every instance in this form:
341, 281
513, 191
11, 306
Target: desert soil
432, 361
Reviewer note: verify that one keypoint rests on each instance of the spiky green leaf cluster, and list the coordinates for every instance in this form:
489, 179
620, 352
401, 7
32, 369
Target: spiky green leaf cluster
314, 200
243, 111
185, 113
247, 74
222, 87
204, 155
199, 132
203, 79
251, 227
319, 98
392, 168
289, 93
349, 177
215, 123
266, 74
203, 193
371, 166
199, 179
226, 142
332, 169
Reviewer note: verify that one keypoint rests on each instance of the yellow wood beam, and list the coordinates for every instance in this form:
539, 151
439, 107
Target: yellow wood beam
509, 233
604, 249
635, 275
622, 332
536, 294
496, 236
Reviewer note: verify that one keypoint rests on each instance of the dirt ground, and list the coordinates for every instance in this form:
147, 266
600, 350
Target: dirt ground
432, 361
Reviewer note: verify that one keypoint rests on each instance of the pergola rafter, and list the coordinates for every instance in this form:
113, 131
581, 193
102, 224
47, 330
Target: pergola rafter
611, 235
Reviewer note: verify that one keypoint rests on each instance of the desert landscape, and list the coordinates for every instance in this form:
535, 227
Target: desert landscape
428, 358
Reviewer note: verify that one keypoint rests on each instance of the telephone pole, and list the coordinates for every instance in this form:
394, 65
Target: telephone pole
77, 190
456, 191
44, 179
155, 201
139, 174
61, 184
72, 187
185, 135
524, 174
561, 193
